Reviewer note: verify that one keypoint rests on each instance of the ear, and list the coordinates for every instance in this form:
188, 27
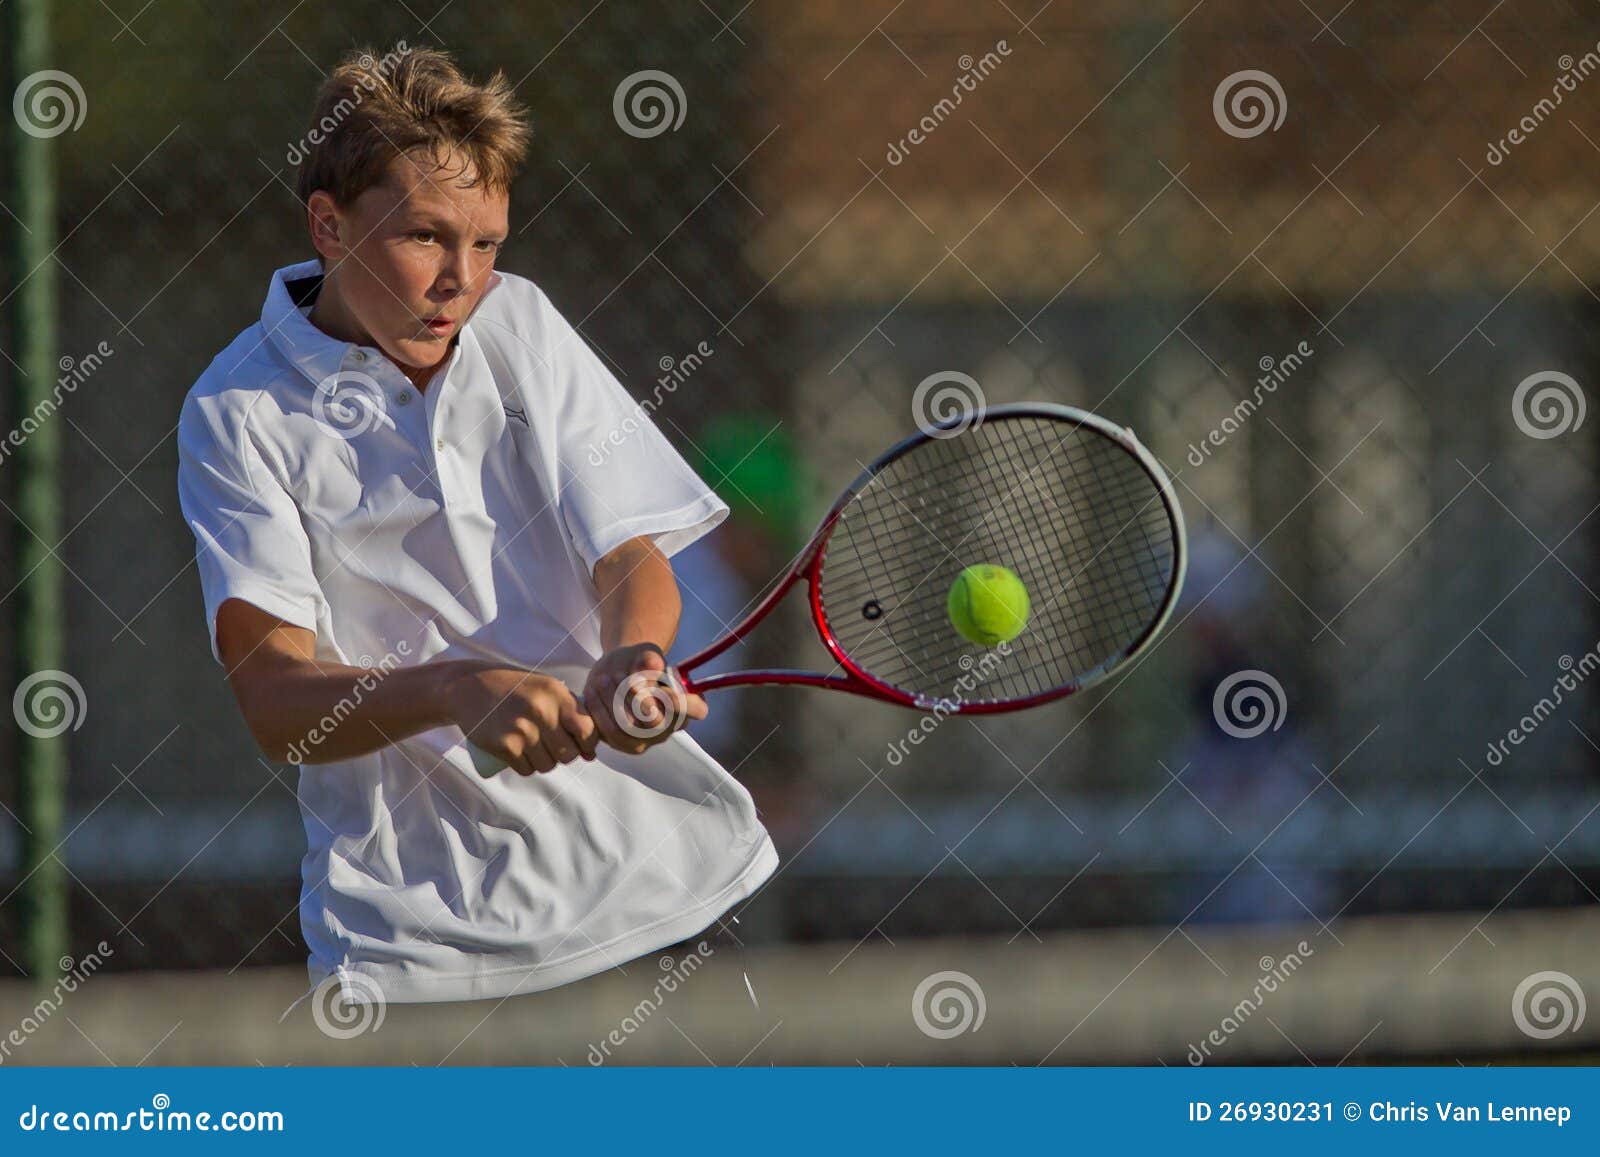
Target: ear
326, 224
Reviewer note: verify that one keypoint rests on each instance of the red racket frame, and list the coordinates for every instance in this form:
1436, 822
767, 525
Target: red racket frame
857, 681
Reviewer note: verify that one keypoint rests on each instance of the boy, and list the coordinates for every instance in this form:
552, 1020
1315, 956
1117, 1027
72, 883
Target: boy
405, 549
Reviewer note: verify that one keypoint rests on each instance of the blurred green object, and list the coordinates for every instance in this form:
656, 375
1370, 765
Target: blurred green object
750, 460
38, 612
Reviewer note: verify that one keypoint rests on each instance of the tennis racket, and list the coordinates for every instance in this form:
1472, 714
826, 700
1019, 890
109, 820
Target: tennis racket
1070, 503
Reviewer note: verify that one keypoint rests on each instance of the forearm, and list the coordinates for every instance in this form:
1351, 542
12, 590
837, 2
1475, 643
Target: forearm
632, 706
639, 601
307, 712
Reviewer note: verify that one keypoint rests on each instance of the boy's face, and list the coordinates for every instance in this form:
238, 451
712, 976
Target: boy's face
410, 258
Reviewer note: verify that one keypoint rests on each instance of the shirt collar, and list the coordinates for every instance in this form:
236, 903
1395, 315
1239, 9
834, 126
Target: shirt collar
314, 353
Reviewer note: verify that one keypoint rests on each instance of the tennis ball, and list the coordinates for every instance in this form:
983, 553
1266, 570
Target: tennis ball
988, 604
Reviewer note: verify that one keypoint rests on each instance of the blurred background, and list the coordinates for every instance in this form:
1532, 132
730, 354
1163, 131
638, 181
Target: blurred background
1336, 264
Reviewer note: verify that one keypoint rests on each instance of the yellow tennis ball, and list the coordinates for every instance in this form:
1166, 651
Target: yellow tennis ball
988, 604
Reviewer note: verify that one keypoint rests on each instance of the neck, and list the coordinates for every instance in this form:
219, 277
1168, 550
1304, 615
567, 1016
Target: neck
328, 313
420, 376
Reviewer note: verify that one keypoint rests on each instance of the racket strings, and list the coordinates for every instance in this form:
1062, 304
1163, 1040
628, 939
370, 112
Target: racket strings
907, 639
1076, 516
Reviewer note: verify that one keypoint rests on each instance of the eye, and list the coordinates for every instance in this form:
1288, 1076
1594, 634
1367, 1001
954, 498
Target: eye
490, 246
425, 236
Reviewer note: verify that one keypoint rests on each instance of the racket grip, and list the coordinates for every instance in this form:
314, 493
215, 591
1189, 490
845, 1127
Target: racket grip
486, 765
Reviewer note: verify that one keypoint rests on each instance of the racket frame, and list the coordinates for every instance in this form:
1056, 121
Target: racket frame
858, 681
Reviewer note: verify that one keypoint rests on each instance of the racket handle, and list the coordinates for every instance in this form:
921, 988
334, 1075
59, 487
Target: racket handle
486, 765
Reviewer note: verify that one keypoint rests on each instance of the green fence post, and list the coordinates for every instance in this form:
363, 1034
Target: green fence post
36, 611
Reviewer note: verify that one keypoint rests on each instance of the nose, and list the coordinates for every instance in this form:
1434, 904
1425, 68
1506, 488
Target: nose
455, 274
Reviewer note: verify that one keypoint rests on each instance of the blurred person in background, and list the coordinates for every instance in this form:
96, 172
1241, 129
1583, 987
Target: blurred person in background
1249, 784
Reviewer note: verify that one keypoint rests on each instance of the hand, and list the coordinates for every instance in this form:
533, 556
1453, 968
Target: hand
635, 701
530, 721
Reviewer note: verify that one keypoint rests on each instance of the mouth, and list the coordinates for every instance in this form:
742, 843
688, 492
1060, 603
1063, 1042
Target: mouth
438, 326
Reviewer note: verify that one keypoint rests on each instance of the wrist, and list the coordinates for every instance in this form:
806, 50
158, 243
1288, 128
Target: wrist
442, 687
632, 645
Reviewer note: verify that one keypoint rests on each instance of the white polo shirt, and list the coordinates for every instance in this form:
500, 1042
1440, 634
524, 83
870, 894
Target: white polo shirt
462, 522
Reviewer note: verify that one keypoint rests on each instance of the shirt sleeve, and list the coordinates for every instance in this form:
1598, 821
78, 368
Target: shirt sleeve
249, 541
619, 477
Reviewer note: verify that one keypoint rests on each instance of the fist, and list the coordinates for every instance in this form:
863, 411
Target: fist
636, 701
529, 721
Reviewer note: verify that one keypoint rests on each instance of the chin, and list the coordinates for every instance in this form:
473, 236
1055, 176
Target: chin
422, 351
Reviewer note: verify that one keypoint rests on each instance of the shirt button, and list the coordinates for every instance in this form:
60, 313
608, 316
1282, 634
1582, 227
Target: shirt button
438, 443
403, 398
358, 356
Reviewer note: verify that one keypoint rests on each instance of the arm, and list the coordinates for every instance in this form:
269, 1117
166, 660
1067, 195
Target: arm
530, 721
639, 600
639, 609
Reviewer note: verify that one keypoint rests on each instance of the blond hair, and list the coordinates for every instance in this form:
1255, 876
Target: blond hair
371, 110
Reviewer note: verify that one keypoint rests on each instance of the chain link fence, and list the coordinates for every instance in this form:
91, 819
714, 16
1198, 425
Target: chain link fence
1335, 266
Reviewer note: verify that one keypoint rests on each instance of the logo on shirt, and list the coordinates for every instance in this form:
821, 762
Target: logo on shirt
520, 415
